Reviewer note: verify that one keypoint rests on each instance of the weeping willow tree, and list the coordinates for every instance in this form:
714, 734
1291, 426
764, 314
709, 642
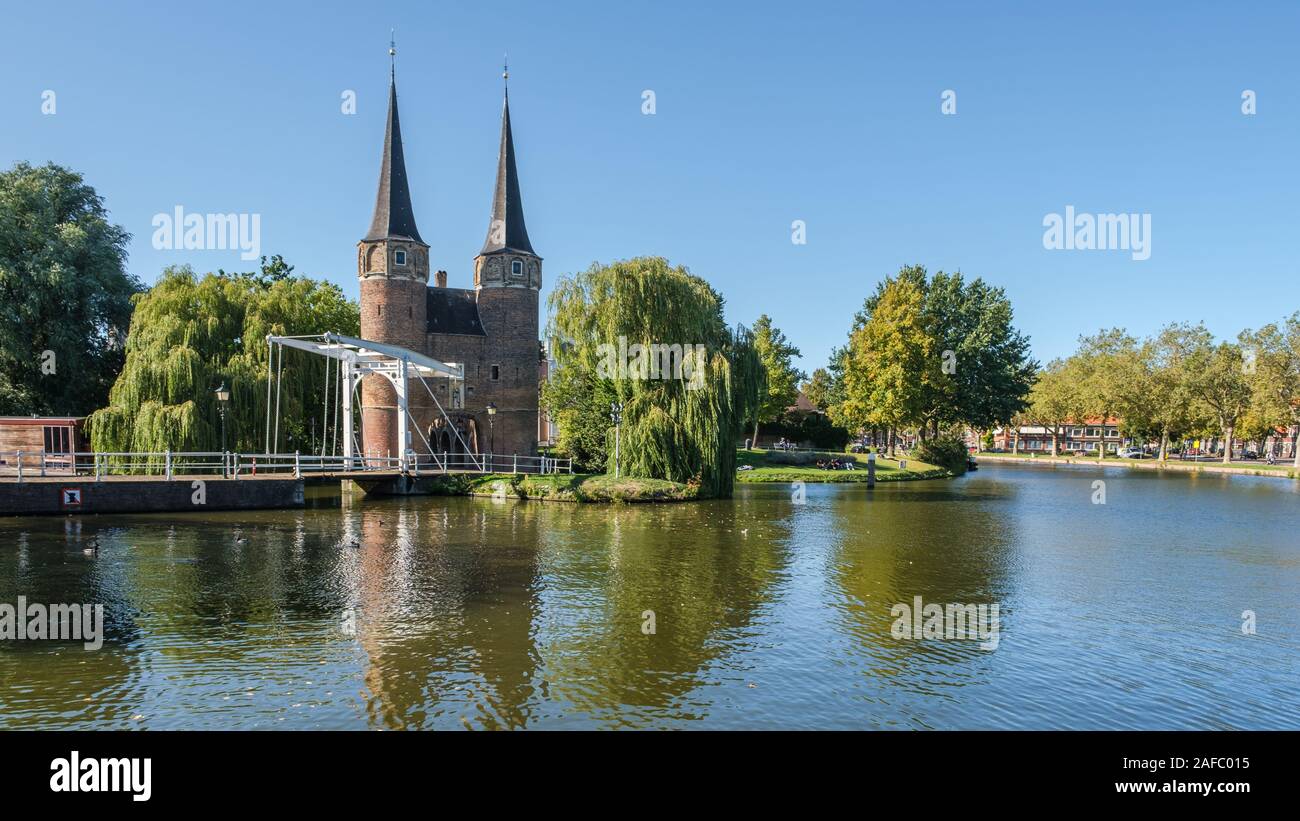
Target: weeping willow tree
653, 338
190, 334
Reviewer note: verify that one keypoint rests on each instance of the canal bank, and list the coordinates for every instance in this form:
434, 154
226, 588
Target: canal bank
551, 487
1279, 472
81, 495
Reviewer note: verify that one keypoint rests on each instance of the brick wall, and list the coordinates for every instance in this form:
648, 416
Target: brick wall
147, 496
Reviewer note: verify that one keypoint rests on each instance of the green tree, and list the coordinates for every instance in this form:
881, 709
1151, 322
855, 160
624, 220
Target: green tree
615, 327
818, 389
580, 405
1168, 406
1057, 399
189, 334
889, 363
65, 295
988, 370
1110, 376
976, 368
1273, 371
781, 378
1219, 381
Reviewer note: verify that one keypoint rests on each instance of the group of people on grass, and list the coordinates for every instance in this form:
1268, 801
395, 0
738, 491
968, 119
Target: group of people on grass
837, 464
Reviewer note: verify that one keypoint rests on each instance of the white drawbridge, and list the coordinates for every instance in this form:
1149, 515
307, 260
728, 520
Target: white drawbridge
357, 359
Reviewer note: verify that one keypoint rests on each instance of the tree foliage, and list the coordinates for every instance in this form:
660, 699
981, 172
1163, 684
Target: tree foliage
64, 290
780, 377
189, 334
931, 352
818, 389
1179, 384
679, 429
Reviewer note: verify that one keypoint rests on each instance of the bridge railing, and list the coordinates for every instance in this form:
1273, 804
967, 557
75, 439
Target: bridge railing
418, 463
27, 464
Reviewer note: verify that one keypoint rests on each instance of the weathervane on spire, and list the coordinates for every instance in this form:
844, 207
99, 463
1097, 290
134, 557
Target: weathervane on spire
505, 73
392, 52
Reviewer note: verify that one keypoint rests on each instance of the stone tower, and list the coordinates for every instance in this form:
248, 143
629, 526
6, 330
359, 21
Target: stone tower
393, 266
507, 279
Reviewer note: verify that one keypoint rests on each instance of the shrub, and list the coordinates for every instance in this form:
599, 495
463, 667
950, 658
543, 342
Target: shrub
946, 451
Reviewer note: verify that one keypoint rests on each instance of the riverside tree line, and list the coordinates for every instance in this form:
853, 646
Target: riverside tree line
1177, 385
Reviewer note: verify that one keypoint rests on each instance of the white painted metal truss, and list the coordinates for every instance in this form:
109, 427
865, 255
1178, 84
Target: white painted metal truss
357, 359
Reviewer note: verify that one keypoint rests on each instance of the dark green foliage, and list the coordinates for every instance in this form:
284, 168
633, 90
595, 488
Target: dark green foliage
946, 450
814, 429
190, 334
63, 289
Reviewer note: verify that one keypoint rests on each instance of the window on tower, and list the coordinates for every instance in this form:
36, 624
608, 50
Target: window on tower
399, 257
496, 372
517, 267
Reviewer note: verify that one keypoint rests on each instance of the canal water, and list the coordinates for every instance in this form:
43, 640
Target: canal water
768, 610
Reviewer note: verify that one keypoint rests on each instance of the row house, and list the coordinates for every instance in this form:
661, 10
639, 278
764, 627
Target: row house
1074, 437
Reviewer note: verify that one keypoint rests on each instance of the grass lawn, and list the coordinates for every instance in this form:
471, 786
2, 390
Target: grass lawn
772, 466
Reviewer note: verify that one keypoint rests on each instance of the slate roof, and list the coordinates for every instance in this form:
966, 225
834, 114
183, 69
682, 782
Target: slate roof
453, 311
507, 204
394, 218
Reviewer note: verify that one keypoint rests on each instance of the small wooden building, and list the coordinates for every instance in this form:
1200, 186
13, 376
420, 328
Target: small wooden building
56, 437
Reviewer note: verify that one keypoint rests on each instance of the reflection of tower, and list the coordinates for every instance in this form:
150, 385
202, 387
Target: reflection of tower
507, 278
447, 627
393, 266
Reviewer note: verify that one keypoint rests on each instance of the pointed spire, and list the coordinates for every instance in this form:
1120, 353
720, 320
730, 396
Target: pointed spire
506, 230
394, 217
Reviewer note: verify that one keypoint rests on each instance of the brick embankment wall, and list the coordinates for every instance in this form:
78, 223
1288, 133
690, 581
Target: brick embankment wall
47, 496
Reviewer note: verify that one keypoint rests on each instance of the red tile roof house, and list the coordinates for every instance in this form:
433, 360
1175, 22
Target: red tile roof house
57, 437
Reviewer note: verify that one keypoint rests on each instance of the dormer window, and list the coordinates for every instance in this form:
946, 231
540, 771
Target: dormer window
399, 257
517, 267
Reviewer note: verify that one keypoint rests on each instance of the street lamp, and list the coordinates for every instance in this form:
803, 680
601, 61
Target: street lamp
492, 429
223, 398
616, 415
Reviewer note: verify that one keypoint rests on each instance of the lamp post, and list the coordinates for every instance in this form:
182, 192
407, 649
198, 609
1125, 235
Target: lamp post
616, 415
492, 429
223, 398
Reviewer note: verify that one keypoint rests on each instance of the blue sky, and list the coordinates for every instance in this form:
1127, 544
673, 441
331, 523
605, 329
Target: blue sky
765, 113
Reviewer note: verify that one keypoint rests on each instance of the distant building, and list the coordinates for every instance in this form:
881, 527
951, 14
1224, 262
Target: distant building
1085, 436
802, 404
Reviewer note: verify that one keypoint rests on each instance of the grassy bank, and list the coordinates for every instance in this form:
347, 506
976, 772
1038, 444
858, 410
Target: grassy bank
1235, 469
784, 466
561, 487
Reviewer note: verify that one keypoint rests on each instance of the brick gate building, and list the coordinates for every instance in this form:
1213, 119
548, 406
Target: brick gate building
490, 329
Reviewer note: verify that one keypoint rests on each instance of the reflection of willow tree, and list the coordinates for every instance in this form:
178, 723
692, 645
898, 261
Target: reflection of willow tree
445, 613
189, 334
705, 581
946, 546
54, 685
673, 428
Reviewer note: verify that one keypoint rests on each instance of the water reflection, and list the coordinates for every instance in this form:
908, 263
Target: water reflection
479, 613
